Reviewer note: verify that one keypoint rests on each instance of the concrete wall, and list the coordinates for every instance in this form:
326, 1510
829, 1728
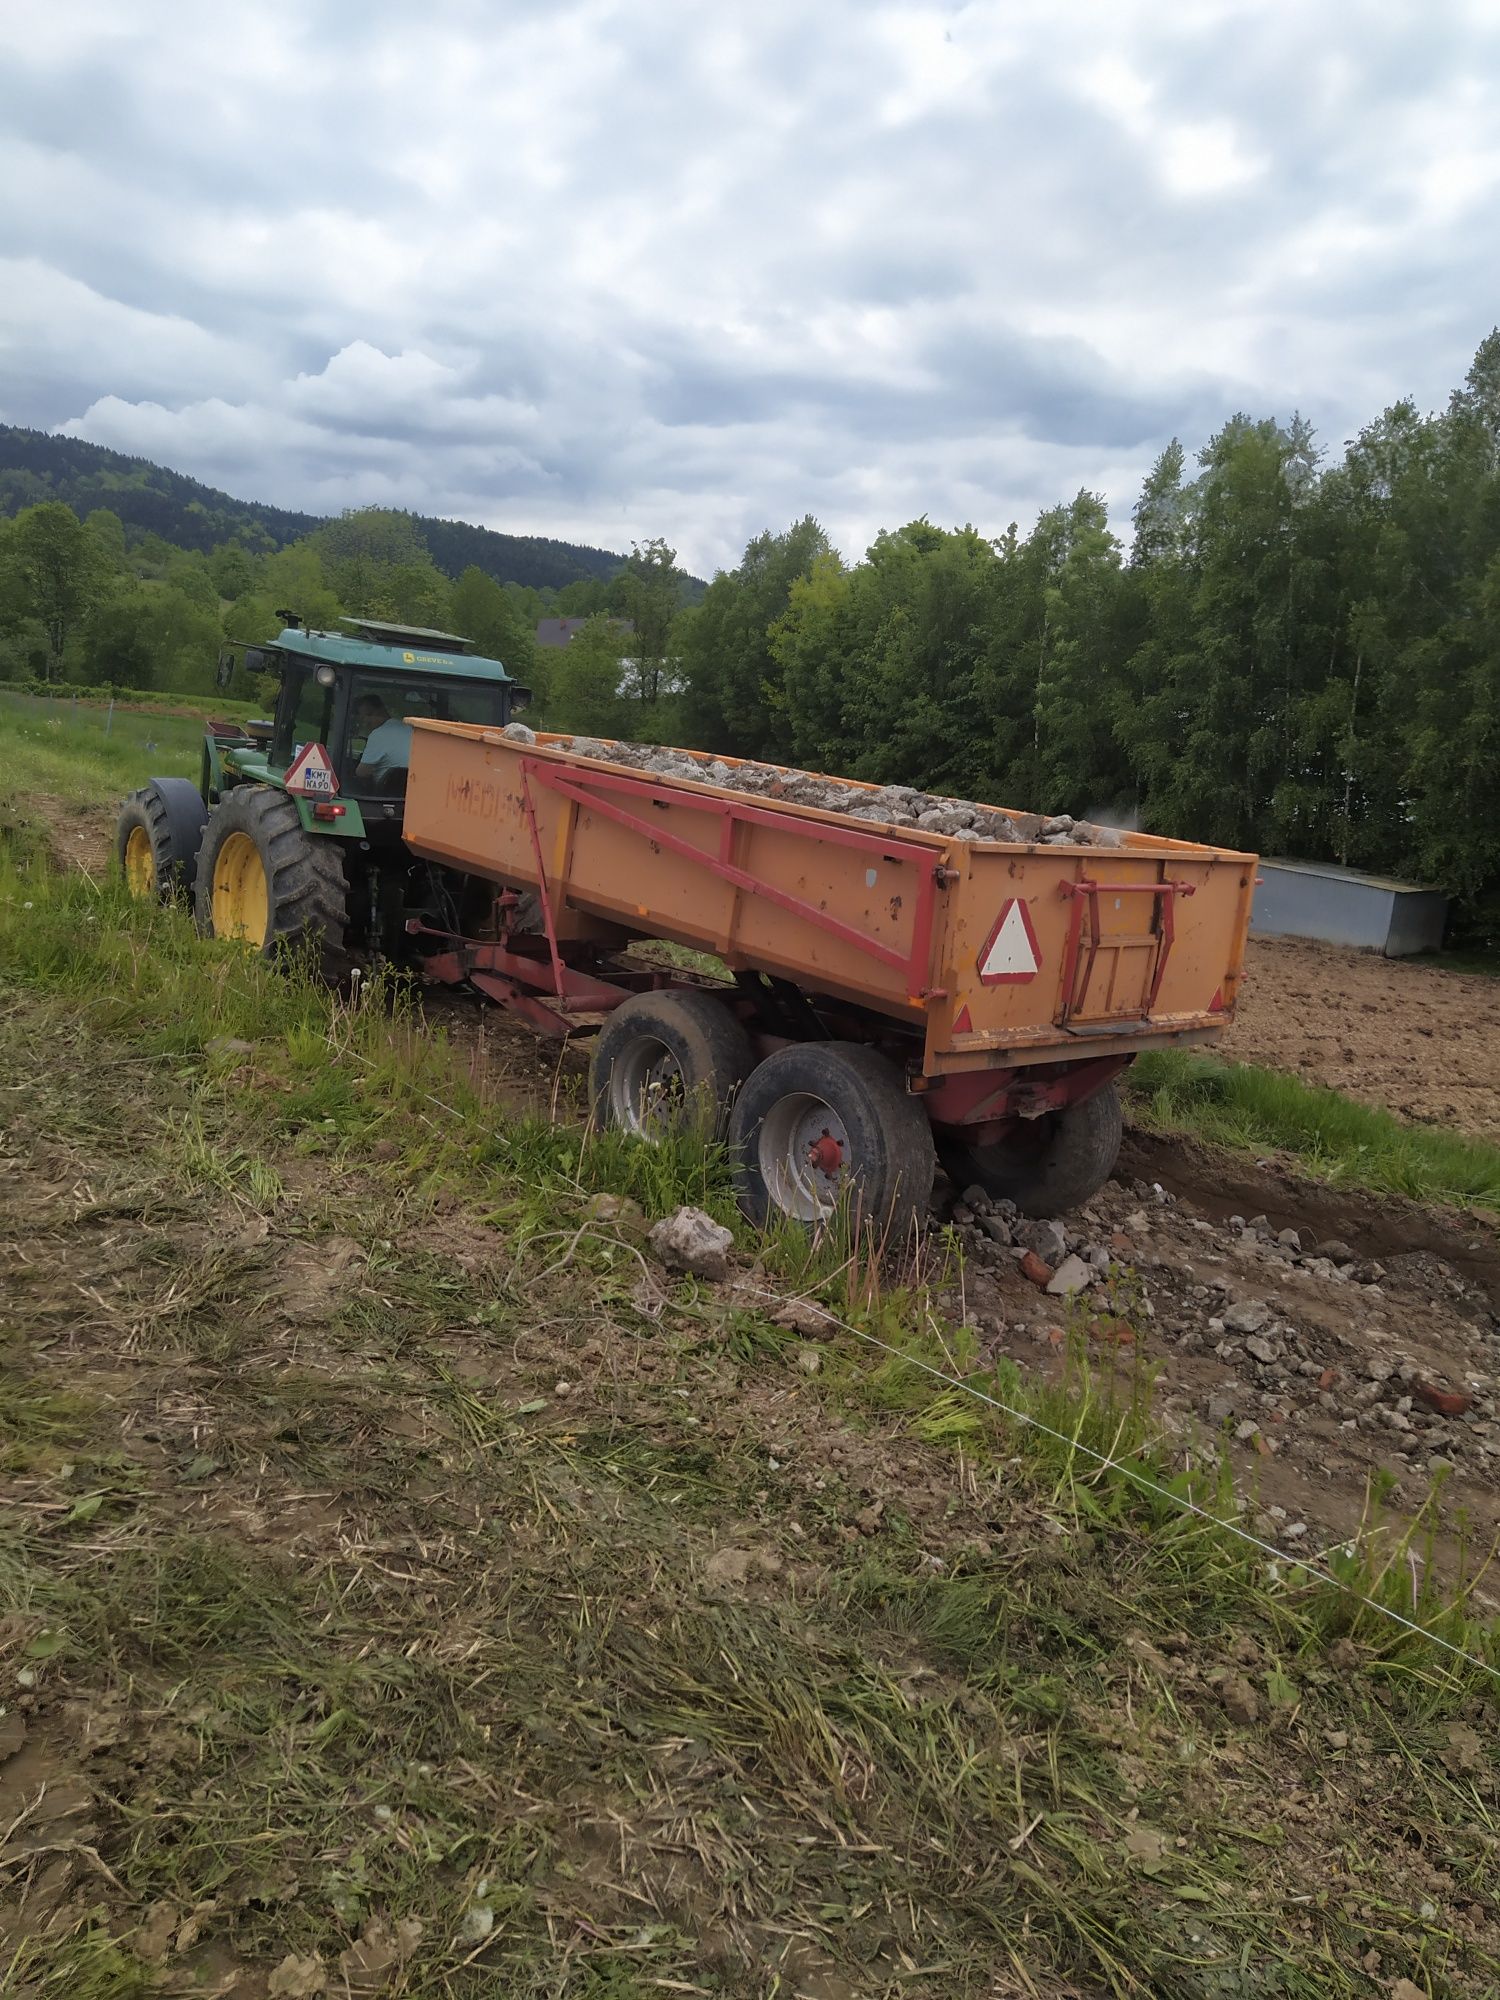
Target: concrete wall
1300, 899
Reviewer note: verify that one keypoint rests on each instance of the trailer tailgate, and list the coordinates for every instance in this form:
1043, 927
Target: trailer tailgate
1073, 948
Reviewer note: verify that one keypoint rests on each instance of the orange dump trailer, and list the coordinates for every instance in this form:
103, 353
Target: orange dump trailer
977, 995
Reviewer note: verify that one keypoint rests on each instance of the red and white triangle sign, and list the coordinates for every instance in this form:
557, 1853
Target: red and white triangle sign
311, 776
1012, 952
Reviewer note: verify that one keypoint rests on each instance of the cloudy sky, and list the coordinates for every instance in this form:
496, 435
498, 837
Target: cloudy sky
608, 270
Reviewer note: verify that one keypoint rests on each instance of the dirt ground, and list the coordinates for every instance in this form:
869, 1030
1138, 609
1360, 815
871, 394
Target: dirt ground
410, 1590
1413, 1037
413, 1589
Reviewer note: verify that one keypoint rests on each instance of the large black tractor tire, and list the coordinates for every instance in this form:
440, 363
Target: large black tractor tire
264, 880
669, 1062
1055, 1163
824, 1131
157, 836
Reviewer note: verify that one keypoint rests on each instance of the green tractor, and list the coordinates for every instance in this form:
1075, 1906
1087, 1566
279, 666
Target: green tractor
293, 834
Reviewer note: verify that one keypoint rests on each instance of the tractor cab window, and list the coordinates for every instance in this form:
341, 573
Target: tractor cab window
303, 714
380, 731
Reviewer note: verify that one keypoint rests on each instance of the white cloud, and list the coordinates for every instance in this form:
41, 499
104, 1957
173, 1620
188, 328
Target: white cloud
605, 271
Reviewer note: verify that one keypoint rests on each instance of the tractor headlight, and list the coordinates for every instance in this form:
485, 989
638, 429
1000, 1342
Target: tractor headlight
325, 677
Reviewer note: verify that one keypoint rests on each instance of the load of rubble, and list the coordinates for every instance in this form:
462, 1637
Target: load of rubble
885, 805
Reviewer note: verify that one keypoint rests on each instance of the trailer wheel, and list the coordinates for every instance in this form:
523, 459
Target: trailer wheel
157, 836
820, 1126
669, 1061
264, 880
1055, 1163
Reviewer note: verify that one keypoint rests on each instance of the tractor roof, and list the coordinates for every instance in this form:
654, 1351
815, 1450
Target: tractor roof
395, 649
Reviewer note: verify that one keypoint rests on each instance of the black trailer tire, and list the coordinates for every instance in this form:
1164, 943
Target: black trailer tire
1059, 1161
157, 836
669, 1061
263, 879
850, 1105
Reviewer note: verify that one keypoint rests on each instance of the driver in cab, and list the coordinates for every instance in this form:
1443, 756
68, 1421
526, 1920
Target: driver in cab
387, 744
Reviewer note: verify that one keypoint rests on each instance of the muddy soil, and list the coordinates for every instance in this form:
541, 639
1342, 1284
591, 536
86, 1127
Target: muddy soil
1412, 1037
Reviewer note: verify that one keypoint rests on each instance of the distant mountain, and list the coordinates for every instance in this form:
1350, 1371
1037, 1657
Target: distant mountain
151, 500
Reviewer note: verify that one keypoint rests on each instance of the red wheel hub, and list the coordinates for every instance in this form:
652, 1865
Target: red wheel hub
826, 1155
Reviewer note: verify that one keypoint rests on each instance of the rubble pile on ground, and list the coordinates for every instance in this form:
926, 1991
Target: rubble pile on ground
1291, 1347
884, 805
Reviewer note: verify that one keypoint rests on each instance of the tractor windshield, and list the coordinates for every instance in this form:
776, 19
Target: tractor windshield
380, 731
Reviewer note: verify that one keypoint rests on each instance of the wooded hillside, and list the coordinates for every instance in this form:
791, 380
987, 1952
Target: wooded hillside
152, 500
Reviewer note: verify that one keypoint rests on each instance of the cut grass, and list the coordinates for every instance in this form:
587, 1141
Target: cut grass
408, 1594
1328, 1135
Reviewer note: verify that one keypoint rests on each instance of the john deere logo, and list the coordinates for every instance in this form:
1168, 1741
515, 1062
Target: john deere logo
410, 659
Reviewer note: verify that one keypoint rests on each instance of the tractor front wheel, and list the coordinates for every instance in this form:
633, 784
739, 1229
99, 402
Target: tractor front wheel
157, 836
265, 881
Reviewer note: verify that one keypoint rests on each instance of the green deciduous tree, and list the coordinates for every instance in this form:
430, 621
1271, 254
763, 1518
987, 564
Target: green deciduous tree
60, 572
734, 699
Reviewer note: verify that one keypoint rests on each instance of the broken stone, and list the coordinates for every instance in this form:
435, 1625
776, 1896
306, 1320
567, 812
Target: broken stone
1444, 1402
1048, 1238
1072, 1275
692, 1241
1261, 1349
519, 733
616, 1208
1247, 1316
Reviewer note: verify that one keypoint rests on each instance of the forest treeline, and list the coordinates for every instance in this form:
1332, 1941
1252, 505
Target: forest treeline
81, 603
1292, 656
152, 500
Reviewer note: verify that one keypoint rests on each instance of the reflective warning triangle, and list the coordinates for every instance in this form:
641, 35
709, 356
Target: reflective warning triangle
1012, 952
311, 775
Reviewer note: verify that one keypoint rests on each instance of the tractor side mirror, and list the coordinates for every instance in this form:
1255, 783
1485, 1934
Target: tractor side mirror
520, 698
255, 660
224, 673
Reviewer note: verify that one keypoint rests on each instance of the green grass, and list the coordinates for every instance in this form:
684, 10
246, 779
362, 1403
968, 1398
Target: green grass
1328, 1135
61, 747
403, 1581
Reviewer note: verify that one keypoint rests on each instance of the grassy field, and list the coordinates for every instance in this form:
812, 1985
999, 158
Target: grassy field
1324, 1133
61, 747
406, 1587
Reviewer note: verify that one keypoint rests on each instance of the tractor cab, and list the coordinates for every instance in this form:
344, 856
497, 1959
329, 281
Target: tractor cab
340, 739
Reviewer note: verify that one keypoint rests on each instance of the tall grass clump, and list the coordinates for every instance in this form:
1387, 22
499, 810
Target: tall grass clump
1328, 1134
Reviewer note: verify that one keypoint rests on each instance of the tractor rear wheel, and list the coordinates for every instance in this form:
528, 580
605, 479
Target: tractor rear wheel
824, 1129
1054, 1163
265, 880
668, 1062
157, 836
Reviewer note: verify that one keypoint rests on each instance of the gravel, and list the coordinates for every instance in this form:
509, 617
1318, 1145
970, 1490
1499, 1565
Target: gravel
884, 805
1274, 1346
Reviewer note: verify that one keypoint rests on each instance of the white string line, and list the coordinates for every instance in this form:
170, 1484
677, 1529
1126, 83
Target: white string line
1139, 1479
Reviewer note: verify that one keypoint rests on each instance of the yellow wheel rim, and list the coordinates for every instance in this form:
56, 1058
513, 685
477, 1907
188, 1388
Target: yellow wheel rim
140, 863
241, 900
